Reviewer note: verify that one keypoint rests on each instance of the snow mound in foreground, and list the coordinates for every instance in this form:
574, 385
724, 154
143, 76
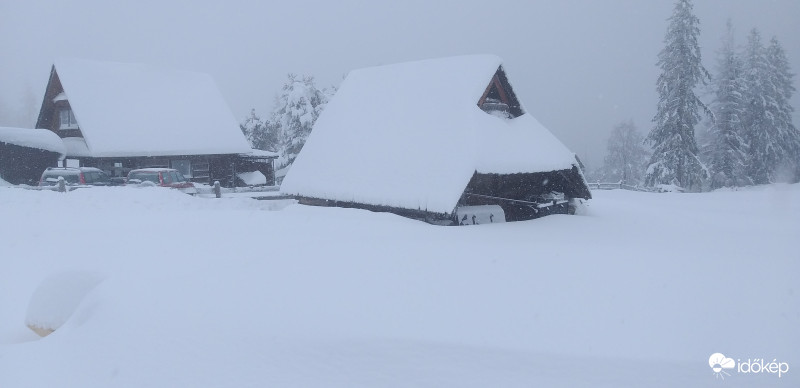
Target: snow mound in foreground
56, 299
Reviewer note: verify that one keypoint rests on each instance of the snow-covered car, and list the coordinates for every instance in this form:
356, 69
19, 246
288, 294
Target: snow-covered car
164, 177
75, 176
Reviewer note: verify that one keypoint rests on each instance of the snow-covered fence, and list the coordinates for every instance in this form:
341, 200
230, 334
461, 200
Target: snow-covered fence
205, 190
617, 186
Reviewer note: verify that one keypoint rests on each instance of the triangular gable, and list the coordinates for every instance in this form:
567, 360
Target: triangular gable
47, 111
499, 93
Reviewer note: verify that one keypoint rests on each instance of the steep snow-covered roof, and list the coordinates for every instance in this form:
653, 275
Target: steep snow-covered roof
76, 147
138, 110
411, 135
32, 138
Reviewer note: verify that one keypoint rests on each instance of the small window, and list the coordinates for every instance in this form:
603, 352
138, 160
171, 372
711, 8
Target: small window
67, 119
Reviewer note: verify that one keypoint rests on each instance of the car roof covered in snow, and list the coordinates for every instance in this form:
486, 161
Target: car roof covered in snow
42, 139
411, 135
139, 110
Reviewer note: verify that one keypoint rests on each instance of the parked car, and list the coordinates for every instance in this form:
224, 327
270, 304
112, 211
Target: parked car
164, 177
75, 176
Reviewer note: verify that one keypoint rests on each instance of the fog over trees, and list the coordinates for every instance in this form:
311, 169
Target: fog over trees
730, 128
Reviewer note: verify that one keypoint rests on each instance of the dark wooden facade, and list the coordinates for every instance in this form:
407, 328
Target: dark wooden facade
24, 165
526, 196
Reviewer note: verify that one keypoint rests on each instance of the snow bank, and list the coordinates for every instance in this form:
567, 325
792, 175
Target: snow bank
56, 299
206, 292
32, 138
411, 135
169, 112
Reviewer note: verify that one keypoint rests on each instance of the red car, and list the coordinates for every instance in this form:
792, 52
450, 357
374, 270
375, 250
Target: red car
165, 177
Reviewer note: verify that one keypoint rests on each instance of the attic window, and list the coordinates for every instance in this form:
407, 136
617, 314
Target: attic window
67, 119
499, 98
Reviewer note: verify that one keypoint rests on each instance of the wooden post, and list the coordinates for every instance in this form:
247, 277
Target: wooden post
217, 190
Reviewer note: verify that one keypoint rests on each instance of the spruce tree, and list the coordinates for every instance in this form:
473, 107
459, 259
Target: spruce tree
261, 135
780, 78
772, 138
675, 153
727, 150
626, 157
296, 110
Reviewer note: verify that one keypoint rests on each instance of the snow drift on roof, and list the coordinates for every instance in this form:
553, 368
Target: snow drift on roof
262, 153
139, 110
33, 138
411, 135
76, 147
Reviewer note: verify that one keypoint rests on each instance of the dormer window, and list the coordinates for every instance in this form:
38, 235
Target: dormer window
67, 119
499, 99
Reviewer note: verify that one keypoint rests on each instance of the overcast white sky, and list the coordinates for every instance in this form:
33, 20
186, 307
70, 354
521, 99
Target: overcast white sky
580, 66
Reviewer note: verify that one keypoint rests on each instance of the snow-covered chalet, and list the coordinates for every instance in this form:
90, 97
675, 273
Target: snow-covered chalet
445, 140
120, 116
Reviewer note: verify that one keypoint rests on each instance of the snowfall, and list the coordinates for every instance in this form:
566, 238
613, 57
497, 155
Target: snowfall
149, 287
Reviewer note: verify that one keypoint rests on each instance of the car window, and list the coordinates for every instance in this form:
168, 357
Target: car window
166, 177
69, 176
144, 176
101, 177
177, 177
88, 177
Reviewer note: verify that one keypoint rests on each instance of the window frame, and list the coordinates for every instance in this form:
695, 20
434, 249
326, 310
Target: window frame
71, 123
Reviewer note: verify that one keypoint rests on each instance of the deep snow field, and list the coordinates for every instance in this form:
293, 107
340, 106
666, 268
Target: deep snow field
637, 291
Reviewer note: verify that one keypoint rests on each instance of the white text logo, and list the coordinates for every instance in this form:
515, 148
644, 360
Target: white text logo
720, 365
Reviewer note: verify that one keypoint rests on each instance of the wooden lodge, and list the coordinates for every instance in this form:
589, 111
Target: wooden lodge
119, 117
445, 140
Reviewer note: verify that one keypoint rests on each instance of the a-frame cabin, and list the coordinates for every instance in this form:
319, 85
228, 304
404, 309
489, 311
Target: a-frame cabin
445, 140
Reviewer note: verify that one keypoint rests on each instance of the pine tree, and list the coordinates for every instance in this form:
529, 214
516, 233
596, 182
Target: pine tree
768, 128
780, 78
727, 150
626, 157
296, 110
675, 159
260, 134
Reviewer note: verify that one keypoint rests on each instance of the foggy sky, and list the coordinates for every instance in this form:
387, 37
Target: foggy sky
579, 66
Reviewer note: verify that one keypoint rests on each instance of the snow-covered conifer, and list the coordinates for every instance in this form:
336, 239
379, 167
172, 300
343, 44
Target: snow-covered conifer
772, 138
261, 135
675, 153
780, 77
296, 110
626, 157
726, 150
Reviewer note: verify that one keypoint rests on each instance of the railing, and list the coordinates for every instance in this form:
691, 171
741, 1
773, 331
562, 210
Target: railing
617, 186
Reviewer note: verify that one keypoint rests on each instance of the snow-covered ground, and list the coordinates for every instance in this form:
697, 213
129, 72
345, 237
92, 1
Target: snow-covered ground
195, 292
